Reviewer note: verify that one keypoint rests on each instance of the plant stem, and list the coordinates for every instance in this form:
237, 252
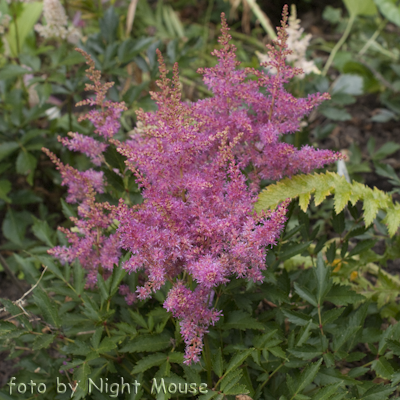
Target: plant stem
16, 30
339, 44
207, 356
372, 38
273, 373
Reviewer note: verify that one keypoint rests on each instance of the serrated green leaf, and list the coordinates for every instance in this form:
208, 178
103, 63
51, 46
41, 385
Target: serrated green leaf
117, 276
326, 392
305, 294
382, 368
394, 345
42, 342
305, 334
343, 336
67, 209
361, 247
237, 360
241, 320
81, 376
145, 342
6, 327
324, 283
138, 319
331, 315
305, 352
308, 375
42, 231
230, 379
297, 318
78, 348
329, 183
47, 307
95, 340
290, 250
26, 163
343, 295
378, 392
148, 362
278, 352
218, 363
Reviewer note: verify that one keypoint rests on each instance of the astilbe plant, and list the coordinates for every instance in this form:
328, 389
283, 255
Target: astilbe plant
196, 227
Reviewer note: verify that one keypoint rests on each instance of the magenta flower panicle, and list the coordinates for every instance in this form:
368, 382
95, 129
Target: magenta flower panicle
196, 227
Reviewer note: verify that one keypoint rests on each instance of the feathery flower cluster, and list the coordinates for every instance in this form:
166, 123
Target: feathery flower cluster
298, 43
196, 227
90, 243
57, 23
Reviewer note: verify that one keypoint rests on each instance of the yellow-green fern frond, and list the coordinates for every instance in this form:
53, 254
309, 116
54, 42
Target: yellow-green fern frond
325, 184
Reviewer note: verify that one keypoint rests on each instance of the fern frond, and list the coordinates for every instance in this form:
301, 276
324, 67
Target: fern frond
329, 183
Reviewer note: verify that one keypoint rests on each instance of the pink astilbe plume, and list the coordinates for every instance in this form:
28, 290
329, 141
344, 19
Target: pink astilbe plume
196, 227
238, 104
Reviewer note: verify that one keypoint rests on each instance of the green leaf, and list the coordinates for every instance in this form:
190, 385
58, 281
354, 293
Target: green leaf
326, 392
335, 114
14, 225
328, 183
47, 307
78, 348
6, 327
305, 294
42, 231
343, 336
5, 187
278, 352
146, 342
304, 334
298, 318
7, 148
331, 315
241, 320
218, 363
230, 379
390, 10
343, 295
349, 83
97, 337
360, 7
387, 149
42, 342
362, 246
305, 352
81, 375
79, 274
382, 368
138, 319
324, 283
106, 345
378, 392
338, 222
394, 345
148, 362
237, 360
12, 71
117, 276
67, 209
290, 250
308, 375
26, 162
